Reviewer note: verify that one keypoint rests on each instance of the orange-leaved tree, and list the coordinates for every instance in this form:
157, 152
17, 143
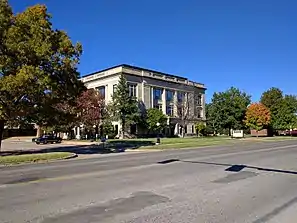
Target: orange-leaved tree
257, 116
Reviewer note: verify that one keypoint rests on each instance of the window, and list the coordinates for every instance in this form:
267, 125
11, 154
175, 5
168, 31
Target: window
180, 111
116, 129
114, 87
133, 129
193, 129
169, 110
169, 95
186, 129
199, 99
180, 96
157, 93
132, 90
101, 91
199, 112
158, 106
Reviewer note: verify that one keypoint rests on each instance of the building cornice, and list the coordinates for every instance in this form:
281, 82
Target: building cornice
138, 71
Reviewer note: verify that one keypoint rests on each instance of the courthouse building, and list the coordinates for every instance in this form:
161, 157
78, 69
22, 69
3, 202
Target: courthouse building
154, 90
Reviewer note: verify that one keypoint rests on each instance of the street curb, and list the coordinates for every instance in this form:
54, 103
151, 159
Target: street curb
78, 143
74, 155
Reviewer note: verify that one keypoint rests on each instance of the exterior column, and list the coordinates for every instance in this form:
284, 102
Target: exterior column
176, 129
203, 112
152, 97
78, 133
106, 93
164, 101
142, 91
175, 104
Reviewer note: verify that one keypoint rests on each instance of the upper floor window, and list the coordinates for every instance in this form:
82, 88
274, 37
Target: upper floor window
180, 96
199, 99
101, 91
157, 92
114, 88
132, 90
169, 95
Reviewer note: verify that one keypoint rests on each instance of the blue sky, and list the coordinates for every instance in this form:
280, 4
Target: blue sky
251, 44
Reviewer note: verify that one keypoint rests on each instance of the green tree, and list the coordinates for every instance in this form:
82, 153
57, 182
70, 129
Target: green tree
211, 123
200, 128
108, 129
227, 109
273, 99
285, 115
124, 107
155, 116
38, 65
283, 108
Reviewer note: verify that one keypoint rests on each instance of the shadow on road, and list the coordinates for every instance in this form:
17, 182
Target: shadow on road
116, 146
230, 167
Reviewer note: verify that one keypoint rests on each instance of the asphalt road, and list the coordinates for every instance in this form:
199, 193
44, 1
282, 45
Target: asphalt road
244, 182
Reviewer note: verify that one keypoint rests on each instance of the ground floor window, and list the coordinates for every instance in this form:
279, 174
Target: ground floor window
158, 106
116, 128
169, 110
133, 129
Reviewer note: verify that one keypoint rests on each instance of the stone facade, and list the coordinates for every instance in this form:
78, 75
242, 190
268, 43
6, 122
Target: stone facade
155, 90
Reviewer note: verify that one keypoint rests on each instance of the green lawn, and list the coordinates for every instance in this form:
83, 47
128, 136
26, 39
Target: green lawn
179, 143
32, 158
167, 143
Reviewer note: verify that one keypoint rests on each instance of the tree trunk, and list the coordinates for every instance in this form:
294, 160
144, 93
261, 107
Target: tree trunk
38, 132
2, 122
123, 129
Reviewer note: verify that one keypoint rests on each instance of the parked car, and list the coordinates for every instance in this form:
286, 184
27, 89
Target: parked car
292, 132
45, 139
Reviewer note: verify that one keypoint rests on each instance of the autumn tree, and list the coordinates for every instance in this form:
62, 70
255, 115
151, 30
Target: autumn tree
124, 107
155, 116
227, 109
257, 116
91, 109
38, 65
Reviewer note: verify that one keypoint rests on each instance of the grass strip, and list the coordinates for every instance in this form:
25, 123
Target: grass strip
33, 158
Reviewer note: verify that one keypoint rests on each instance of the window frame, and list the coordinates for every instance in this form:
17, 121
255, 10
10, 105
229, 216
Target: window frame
132, 89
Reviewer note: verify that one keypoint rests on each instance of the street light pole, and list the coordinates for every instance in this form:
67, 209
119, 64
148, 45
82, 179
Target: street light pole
158, 135
95, 130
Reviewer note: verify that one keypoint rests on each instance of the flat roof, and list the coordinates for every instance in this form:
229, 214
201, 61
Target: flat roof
137, 68
143, 69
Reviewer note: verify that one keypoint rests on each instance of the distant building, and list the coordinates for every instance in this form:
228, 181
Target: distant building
155, 90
